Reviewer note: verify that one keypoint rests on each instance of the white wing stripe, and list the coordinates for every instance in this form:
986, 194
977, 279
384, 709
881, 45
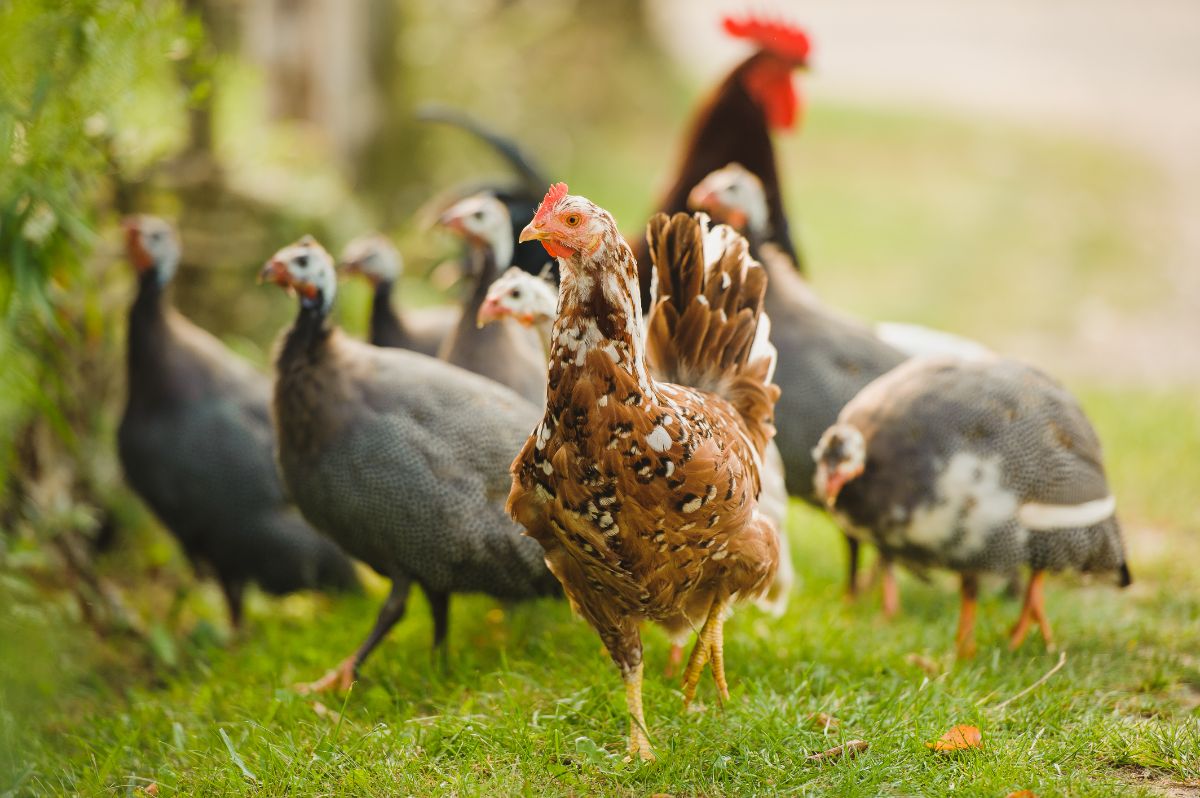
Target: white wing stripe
1066, 516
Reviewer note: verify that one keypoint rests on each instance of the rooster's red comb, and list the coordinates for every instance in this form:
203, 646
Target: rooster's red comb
552, 198
778, 37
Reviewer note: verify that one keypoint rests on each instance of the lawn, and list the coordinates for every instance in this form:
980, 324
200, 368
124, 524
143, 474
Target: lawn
529, 704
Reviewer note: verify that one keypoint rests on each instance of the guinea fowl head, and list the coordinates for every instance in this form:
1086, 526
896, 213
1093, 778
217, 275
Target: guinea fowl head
734, 196
306, 269
374, 257
519, 295
152, 246
767, 76
569, 226
841, 456
483, 222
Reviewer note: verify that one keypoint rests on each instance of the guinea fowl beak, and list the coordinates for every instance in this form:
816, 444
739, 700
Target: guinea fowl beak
452, 221
489, 312
275, 271
701, 198
833, 486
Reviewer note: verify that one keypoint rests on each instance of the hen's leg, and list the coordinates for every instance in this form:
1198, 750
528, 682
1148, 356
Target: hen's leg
1034, 609
639, 743
708, 645
891, 588
342, 676
964, 640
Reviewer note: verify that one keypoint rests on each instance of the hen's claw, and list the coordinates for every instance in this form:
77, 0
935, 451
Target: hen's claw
709, 646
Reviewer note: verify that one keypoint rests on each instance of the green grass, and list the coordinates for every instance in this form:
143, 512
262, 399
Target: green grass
901, 215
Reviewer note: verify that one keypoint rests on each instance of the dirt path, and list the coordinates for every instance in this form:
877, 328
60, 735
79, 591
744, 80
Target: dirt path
1107, 69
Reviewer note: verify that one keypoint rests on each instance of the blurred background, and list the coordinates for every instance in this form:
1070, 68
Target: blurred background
1023, 173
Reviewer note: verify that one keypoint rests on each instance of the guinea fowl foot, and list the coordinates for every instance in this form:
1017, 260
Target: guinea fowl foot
1033, 610
709, 646
340, 679
964, 638
639, 743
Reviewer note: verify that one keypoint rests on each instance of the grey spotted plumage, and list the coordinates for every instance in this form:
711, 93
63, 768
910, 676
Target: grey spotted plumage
196, 444
401, 459
973, 465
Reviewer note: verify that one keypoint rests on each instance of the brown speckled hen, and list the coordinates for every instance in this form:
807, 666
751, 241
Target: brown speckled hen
645, 493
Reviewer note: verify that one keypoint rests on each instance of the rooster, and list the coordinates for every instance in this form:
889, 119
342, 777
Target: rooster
645, 493
735, 124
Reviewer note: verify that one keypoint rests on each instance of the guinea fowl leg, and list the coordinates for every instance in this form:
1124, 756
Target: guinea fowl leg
709, 645
234, 590
964, 640
342, 677
439, 607
891, 588
852, 567
1034, 609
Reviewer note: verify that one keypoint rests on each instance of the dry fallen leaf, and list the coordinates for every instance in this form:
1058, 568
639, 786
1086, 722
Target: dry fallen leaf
824, 722
151, 788
662, 795
1021, 794
930, 666
848, 750
957, 739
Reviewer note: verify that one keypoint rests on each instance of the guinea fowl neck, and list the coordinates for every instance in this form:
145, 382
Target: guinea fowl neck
486, 269
385, 324
598, 309
307, 336
146, 343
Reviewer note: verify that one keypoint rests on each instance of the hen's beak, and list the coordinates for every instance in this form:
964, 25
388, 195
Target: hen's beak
531, 233
489, 312
833, 486
275, 271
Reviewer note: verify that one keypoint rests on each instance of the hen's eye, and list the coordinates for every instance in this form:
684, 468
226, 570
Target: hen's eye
572, 219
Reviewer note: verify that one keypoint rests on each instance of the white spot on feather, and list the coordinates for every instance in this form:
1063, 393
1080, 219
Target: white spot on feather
658, 439
693, 505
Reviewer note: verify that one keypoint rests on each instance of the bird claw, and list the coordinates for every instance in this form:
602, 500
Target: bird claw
340, 679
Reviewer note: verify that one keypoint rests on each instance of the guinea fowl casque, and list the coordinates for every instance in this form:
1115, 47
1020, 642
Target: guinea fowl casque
825, 358
644, 493
735, 124
376, 259
533, 301
977, 466
508, 354
196, 444
398, 457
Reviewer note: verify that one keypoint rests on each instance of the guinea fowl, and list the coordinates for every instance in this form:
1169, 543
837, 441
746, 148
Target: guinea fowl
735, 196
196, 444
506, 353
520, 197
645, 493
825, 358
533, 302
398, 457
977, 466
374, 257
735, 124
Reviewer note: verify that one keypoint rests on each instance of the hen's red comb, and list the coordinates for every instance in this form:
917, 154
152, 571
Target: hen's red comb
552, 198
784, 40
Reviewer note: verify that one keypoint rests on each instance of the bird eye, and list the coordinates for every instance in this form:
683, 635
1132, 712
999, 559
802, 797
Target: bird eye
477, 215
301, 261
572, 219
515, 293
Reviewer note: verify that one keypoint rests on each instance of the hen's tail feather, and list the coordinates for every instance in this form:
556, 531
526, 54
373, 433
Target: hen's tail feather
704, 321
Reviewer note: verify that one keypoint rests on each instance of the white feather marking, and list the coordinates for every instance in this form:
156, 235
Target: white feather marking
693, 505
547, 469
658, 439
602, 401
1066, 516
969, 499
